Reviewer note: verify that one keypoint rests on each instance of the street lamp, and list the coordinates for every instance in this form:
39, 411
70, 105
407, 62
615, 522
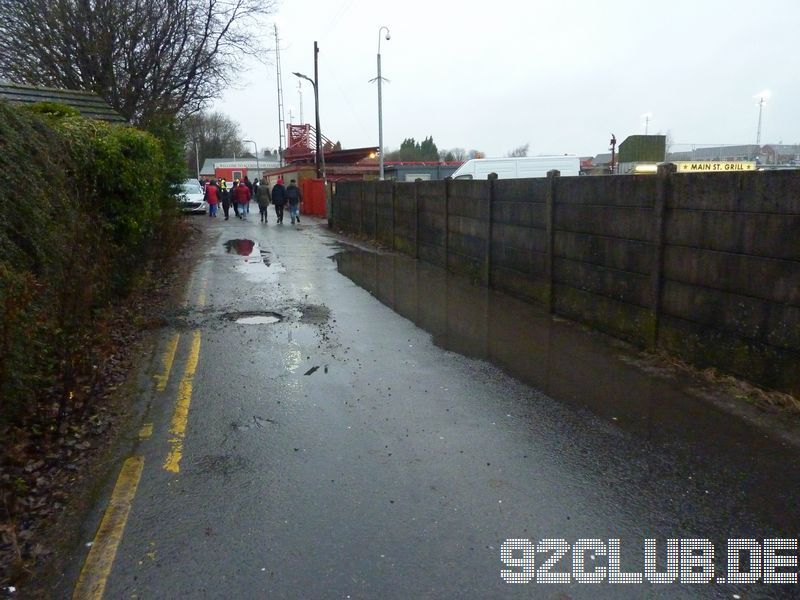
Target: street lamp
380, 102
320, 156
258, 164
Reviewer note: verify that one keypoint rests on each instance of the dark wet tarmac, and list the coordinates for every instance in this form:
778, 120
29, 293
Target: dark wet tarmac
586, 369
345, 452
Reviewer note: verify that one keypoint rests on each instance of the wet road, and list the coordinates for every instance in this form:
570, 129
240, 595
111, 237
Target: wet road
359, 425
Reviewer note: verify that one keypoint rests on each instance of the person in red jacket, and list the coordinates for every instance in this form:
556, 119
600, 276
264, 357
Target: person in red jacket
212, 196
241, 195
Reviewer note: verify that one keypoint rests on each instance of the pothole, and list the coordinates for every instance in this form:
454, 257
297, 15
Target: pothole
254, 318
258, 320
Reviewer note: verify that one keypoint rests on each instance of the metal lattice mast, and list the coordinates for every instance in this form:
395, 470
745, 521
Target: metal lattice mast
281, 123
300, 94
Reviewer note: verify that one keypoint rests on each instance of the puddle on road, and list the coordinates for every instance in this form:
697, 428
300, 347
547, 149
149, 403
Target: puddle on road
253, 318
258, 320
581, 368
240, 247
258, 265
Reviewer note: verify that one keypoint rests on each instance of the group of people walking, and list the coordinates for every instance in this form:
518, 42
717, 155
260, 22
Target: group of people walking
242, 192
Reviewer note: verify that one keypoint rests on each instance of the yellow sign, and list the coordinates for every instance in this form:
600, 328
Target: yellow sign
714, 166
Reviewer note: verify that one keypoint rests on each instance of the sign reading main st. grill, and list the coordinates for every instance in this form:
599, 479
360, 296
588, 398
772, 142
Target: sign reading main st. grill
714, 166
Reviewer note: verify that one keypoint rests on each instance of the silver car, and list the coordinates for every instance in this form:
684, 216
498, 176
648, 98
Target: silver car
191, 197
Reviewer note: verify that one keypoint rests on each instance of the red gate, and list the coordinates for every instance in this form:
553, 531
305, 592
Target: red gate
313, 191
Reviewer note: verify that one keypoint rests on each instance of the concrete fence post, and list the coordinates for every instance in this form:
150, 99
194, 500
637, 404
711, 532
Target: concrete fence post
352, 210
361, 212
487, 262
550, 216
375, 216
416, 219
394, 216
663, 193
447, 184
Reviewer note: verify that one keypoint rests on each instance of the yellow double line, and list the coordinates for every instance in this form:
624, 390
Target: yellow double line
181, 416
97, 567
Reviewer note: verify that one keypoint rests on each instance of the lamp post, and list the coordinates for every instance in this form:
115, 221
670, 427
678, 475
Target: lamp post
320, 156
258, 164
196, 159
380, 103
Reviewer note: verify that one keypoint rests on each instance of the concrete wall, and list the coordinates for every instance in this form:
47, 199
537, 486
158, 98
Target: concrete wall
706, 266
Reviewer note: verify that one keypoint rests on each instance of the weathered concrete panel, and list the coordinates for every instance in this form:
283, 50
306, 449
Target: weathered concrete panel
473, 208
626, 255
709, 347
750, 318
769, 235
405, 197
522, 238
405, 221
762, 192
632, 288
467, 226
530, 263
613, 221
468, 245
431, 235
431, 204
767, 278
523, 214
621, 319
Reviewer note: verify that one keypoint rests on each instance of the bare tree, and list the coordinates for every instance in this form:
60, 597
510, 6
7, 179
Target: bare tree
519, 151
459, 154
146, 58
216, 136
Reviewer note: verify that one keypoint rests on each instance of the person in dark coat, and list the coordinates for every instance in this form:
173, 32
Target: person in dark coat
263, 197
226, 197
294, 197
279, 199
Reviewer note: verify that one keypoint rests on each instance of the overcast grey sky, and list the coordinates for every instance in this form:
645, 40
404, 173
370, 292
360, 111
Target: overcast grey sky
560, 75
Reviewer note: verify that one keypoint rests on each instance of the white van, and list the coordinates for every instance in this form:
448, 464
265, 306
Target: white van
519, 168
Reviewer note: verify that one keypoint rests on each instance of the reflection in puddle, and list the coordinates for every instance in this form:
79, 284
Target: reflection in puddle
240, 247
585, 369
258, 265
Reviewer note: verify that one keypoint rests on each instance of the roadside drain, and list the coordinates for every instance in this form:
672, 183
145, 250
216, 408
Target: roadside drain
253, 318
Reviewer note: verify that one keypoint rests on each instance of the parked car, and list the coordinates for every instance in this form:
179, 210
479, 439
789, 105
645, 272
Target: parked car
191, 197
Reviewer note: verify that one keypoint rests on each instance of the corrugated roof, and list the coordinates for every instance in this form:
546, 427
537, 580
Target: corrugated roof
90, 105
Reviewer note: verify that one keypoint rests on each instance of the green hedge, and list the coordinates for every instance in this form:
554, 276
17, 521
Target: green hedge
83, 208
